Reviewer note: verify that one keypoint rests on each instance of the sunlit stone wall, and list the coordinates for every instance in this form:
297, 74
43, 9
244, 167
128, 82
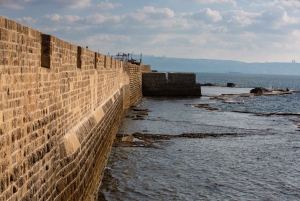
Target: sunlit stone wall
60, 107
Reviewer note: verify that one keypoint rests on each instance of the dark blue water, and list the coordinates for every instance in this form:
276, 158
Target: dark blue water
249, 80
262, 163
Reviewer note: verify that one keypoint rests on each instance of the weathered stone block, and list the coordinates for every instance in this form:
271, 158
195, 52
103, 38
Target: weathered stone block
3, 34
2, 22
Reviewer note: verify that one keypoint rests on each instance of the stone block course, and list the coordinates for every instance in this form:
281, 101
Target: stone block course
57, 121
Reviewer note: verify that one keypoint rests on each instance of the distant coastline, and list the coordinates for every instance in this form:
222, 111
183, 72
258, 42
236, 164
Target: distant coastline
166, 64
233, 72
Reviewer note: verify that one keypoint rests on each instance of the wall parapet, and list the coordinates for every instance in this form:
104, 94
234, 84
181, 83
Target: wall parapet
60, 108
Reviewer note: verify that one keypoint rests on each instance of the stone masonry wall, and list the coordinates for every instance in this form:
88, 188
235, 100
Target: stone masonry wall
146, 68
60, 107
135, 77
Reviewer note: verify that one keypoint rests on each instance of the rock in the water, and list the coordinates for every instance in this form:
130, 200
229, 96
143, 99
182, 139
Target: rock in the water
141, 113
138, 115
257, 90
212, 108
208, 84
140, 109
198, 105
230, 84
138, 118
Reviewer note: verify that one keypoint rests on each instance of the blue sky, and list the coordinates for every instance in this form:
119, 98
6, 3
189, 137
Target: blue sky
251, 31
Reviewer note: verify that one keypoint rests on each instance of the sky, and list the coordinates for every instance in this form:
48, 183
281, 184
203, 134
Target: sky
249, 31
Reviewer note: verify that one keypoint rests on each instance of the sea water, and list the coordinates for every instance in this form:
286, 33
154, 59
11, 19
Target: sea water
261, 163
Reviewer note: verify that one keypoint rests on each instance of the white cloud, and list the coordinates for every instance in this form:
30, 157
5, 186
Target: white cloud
151, 18
108, 38
100, 18
278, 20
108, 6
25, 20
207, 15
240, 18
54, 17
72, 18
282, 4
74, 4
135, 17
161, 39
14, 4
218, 32
158, 13
52, 20
21, 4
290, 20
216, 1
105, 43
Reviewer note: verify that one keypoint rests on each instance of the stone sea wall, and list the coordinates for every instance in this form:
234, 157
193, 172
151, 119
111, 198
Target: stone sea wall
60, 108
177, 84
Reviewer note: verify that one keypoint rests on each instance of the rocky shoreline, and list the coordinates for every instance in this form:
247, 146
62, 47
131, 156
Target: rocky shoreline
150, 140
147, 140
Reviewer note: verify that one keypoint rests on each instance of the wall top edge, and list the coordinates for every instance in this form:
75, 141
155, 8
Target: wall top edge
154, 72
11, 25
185, 73
173, 73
